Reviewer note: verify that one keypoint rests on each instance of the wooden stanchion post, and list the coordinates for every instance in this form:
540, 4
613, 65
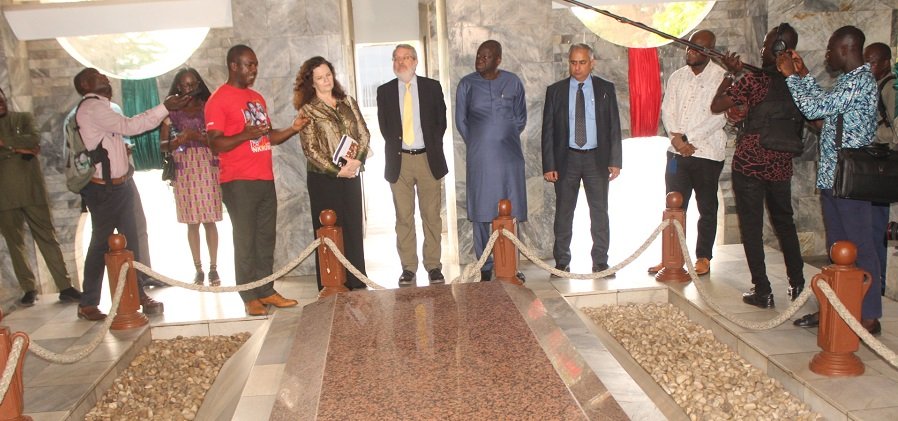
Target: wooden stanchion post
333, 274
834, 336
13, 405
671, 252
505, 254
128, 315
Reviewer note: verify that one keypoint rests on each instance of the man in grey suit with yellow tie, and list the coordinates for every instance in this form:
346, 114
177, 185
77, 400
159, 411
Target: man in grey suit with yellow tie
581, 141
412, 116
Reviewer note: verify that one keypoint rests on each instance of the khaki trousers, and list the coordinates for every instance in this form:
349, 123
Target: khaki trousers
415, 176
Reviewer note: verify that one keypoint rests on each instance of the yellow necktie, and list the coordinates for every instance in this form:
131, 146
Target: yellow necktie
408, 118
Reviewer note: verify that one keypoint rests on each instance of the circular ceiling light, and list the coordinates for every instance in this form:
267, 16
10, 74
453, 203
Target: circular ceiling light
135, 55
676, 19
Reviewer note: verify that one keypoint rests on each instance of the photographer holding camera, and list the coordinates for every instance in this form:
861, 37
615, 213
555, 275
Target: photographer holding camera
23, 197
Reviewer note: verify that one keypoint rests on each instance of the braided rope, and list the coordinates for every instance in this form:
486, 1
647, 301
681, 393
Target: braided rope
280, 273
82, 351
348, 265
527, 252
749, 324
12, 363
467, 275
854, 324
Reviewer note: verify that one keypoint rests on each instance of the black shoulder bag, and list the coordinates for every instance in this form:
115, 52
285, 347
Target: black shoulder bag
867, 173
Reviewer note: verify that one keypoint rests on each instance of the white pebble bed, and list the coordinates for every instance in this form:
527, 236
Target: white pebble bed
168, 380
705, 377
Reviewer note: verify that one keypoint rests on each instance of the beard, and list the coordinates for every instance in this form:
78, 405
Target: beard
405, 75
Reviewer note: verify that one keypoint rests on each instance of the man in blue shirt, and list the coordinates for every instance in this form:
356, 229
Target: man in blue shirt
853, 100
581, 141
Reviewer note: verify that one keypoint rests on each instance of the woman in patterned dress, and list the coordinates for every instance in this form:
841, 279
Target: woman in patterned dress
197, 192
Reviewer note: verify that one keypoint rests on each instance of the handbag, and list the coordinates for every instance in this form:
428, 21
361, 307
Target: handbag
867, 173
169, 170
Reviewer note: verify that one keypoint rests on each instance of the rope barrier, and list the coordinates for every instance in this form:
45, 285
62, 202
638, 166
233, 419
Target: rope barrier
280, 273
82, 351
854, 324
12, 362
468, 273
700, 286
349, 266
465, 277
527, 252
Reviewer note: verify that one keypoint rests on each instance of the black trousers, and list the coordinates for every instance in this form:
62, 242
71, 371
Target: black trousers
581, 166
687, 174
751, 194
111, 208
343, 196
253, 209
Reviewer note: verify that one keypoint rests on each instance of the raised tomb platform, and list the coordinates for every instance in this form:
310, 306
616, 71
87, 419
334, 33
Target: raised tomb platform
465, 351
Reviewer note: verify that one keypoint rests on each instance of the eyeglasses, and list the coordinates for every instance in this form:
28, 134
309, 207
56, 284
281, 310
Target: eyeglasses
404, 58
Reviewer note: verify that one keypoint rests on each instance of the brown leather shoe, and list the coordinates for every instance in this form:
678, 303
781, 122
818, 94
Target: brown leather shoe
255, 308
702, 266
151, 306
872, 326
655, 269
278, 301
91, 313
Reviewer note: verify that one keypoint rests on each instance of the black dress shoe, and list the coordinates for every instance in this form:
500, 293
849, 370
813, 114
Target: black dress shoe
28, 299
69, 295
808, 320
153, 282
794, 291
599, 268
564, 268
486, 275
407, 277
436, 276
758, 300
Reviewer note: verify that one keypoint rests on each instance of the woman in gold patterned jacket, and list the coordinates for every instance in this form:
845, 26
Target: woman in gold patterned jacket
335, 120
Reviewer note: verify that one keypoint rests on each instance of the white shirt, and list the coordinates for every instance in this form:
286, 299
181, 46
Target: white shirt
686, 109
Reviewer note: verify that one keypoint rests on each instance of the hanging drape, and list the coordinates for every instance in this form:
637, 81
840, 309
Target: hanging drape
137, 97
645, 91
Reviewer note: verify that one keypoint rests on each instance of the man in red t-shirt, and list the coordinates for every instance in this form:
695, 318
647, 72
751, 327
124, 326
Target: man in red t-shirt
760, 174
240, 131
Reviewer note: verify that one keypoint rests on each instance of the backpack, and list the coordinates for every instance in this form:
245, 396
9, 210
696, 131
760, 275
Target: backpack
777, 119
80, 161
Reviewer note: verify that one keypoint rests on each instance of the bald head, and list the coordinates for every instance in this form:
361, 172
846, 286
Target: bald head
705, 38
695, 59
879, 56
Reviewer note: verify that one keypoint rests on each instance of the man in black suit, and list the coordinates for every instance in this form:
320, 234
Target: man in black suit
581, 141
412, 117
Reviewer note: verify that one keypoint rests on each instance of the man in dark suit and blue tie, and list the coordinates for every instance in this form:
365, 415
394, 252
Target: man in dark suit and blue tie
412, 116
581, 141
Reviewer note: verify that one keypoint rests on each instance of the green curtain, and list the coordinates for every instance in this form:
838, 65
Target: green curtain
137, 97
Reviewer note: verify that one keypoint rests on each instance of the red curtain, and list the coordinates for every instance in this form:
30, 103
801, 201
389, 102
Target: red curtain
645, 91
